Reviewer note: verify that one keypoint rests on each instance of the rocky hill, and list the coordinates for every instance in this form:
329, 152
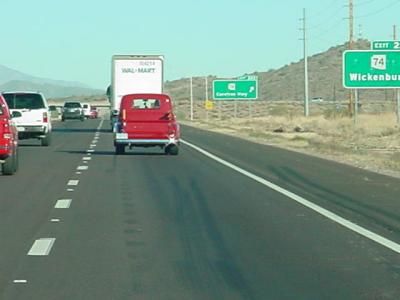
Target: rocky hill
12, 80
287, 83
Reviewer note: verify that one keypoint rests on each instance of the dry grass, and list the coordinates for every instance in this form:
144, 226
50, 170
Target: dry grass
372, 143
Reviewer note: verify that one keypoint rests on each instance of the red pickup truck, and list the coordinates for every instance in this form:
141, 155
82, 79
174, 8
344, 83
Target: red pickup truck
8, 139
147, 120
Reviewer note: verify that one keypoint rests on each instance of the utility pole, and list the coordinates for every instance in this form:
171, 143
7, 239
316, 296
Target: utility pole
394, 32
191, 98
206, 95
306, 108
351, 41
351, 24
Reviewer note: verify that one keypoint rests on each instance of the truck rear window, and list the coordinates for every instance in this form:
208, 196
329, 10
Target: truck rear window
72, 105
146, 104
24, 101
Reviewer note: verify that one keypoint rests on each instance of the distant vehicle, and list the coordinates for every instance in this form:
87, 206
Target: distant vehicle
86, 109
147, 120
94, 113
72, 110
8, 139
134, 74
35, 121
317, 99
55, 112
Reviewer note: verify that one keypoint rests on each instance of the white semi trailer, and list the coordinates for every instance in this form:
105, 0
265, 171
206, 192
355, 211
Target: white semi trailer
134, 74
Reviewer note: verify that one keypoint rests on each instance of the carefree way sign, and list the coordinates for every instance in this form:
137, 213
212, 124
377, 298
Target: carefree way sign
371, 69
235, 89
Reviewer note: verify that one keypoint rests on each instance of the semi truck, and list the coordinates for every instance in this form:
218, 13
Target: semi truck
134, 74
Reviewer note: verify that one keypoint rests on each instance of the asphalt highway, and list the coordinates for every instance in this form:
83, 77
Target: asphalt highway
228, 220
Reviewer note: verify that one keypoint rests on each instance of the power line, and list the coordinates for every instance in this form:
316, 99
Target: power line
329, 29
379, 10
330, 17
365, 2
320, 12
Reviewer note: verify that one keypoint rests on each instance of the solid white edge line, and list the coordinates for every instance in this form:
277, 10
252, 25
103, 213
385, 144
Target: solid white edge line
41, 247
322, 211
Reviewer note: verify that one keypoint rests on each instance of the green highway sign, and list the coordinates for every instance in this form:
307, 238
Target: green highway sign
371, 69
385, 45
235, 89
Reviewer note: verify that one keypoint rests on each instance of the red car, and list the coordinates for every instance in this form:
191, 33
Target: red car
147, 120
93, 114
8, 139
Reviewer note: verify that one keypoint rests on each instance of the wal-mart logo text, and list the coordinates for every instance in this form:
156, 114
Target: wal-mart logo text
138, 70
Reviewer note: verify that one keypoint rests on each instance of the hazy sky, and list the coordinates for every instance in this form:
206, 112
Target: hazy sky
75, 39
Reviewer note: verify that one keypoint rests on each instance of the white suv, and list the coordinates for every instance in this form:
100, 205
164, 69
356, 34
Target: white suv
35, 120
86, 109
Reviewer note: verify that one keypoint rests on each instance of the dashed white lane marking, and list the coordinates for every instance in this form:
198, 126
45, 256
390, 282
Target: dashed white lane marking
90, 151
94, 142
70, 190
73, 182
55, 220
82, 168
322, 211
78, 173
88, 154
20, 281
86, 158
63, 203
92, 146
41, 247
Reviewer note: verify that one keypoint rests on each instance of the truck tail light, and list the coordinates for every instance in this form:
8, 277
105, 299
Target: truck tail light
45, 117
168, 116
7, 134
123, 115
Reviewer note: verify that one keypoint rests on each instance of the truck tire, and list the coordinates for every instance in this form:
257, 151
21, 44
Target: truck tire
16, 161
172, 150
119, 149
9, 167
46, 141
82, 118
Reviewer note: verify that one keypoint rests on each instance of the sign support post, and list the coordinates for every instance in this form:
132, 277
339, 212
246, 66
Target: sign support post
250, 110
355, 106
235, 108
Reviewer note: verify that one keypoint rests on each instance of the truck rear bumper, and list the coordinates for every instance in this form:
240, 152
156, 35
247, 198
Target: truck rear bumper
146, 142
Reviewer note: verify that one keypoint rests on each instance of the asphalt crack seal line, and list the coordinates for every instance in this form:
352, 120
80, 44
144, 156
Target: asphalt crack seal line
41, 247
322, 211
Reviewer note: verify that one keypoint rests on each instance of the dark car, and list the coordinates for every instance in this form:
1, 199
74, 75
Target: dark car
147, 120
72, 110
8, 139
